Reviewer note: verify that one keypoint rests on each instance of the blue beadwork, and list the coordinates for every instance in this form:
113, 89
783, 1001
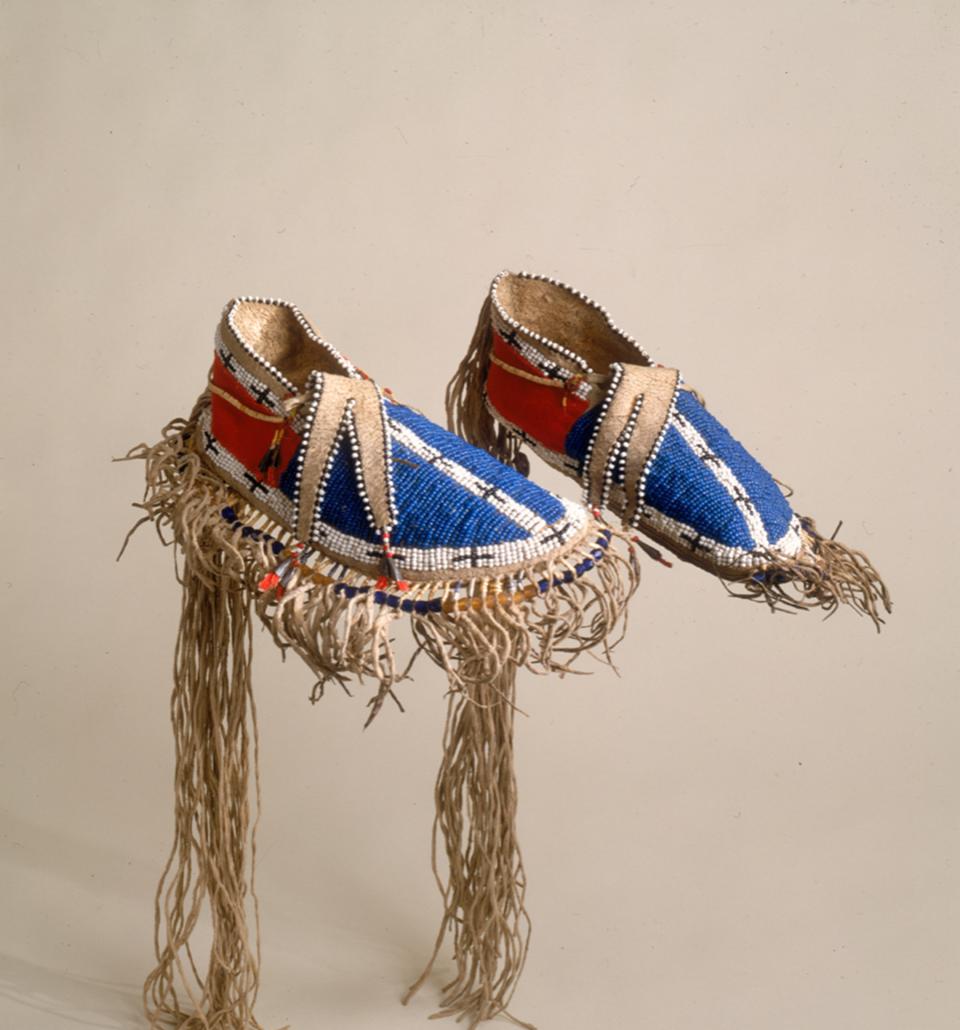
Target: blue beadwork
578, 438
681, 486
773, 508
480, 464
434, 510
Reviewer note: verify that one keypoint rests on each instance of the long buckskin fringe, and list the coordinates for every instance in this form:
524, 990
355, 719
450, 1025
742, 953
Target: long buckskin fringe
479, 631
466, 404
483, 895
215, 733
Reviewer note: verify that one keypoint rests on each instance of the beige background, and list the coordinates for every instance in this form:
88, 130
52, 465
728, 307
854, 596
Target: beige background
756, 825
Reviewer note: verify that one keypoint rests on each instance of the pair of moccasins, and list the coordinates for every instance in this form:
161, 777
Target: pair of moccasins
354, 475
301, 490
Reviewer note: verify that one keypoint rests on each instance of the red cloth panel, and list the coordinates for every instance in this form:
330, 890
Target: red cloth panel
248, 439
543, 412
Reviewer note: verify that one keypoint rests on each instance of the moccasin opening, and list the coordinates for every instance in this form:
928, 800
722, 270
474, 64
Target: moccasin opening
278, 334
555, 312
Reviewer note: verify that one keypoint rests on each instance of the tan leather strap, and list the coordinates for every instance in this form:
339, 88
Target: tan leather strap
635, 410
352, 407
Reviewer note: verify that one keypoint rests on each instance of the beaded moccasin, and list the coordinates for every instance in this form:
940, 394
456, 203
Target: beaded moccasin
362, 479
300, 490
548, 369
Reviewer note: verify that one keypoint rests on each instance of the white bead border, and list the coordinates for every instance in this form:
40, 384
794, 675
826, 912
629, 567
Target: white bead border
231, 308
546, 341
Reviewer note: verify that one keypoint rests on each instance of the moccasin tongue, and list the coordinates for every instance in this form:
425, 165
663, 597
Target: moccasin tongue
346, 410
632, 421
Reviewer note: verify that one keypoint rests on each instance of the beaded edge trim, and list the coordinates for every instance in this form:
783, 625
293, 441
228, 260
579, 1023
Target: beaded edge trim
306, 429
586, 476
546, 341
655, 451
509, 583
249, 349
618, 456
